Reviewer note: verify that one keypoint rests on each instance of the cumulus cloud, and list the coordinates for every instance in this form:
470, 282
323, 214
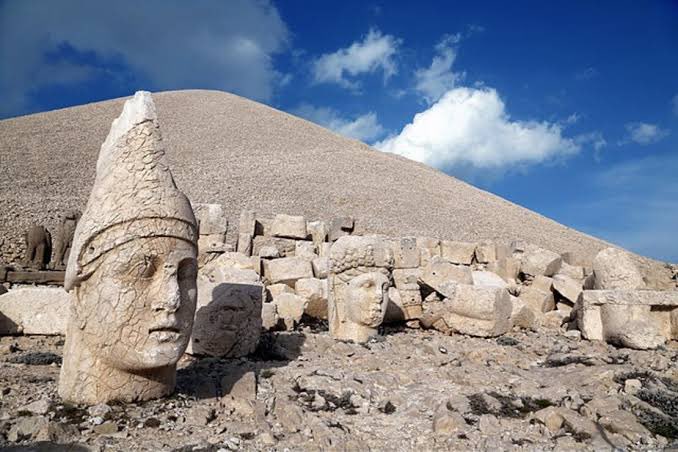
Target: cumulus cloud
211, 44
643, 133
470, 127
434, 81
365, 127
375, 52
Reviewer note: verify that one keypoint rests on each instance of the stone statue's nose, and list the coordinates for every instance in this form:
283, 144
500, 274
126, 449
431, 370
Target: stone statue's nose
169, 298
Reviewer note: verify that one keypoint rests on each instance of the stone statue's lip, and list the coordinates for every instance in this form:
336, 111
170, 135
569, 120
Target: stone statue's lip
165, 327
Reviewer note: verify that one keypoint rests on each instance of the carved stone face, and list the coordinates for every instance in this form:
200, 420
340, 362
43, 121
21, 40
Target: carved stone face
367, 298
136, 309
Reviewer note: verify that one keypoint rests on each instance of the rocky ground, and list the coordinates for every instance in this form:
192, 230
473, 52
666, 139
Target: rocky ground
410, 390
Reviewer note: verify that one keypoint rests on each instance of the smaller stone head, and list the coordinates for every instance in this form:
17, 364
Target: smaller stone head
359, 280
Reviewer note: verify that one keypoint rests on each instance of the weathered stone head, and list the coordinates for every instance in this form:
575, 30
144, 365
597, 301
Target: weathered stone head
359, 280
132, 270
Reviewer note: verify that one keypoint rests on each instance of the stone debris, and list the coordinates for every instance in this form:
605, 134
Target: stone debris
289, 226
458, 252
314, 291
640, 319
485, 252
613, 269
34, 310
479, 311
287, 270
537, 261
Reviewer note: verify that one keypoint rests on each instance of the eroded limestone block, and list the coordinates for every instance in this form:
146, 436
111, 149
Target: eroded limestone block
458, 252
305, 249
537, 299
38, 247
287, 270
289, 226
522, 315
321, 267
228, 315
428, 247
613, 269
315, 292
479, 311
488, 279
247, 222
640, 319
406, 303
567, 287
358, 286
244, 244
486, 252
290, 308
405, 252
340, 227
507, 267
439, 273
537, 261
285, 247
211, 218
34, 310
318, 231
132, 270
572, 271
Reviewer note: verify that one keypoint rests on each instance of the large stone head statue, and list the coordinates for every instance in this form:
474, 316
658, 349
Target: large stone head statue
132, 270
359, 280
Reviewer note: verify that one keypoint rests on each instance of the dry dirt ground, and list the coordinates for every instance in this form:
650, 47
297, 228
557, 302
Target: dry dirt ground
410, 390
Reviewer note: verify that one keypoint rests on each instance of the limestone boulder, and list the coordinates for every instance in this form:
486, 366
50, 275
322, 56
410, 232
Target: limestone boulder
340, 227
34, 310
486, 252
284, 247
538, 300
211, 219
321, 267
305, 249
406, 253
458, 252
428, 247
488, 279
318, 231
639, 319
314, 291
479, 311
543, 283
290, 308
508, 268
247, 222
538, 261
269, 316
440, 275
228, 314
522, 315
244, 244
567, 287
613, 269
289, 226
287, 270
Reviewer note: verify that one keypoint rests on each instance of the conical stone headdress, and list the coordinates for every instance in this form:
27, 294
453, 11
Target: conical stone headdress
134, 195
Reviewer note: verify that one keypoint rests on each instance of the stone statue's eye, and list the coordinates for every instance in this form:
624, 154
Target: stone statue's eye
146, 267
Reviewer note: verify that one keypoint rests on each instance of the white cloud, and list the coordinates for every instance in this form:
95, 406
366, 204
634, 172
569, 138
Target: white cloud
470, 127
644, 133
375, 52
364, 127
207, 44
434, 81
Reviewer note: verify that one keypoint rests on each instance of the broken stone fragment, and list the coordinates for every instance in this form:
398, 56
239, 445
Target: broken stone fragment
479, 311
567, 288
247, 222
211, 219
458, 252
488, 279
439, 273
285, 247
318, 231
305, 249
486, 252
289, 226
537, 299
321, 267
640, 319
507, 267
34, 310
523, 316
613, 269
290, 308
287, 270
405, 252
340, 227
244, 244
537, 261
314, 291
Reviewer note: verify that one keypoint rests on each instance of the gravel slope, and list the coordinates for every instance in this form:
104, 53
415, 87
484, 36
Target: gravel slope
229, 150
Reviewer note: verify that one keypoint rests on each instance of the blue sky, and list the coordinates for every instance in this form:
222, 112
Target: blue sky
567, 108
